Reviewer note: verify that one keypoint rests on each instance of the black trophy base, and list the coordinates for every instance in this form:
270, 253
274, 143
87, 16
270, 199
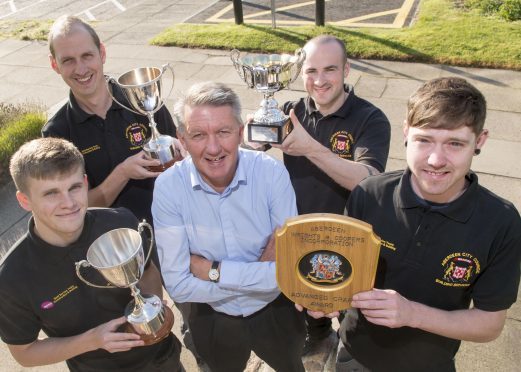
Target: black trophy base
269, 132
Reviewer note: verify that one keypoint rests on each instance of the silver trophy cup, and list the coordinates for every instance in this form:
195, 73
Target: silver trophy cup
142, 88
268, 74
118, 255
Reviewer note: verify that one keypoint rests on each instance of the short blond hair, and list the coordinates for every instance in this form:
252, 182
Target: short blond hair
44, 158
65, 25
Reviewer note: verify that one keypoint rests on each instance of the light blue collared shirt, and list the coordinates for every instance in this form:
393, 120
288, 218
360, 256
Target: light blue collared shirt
233, 228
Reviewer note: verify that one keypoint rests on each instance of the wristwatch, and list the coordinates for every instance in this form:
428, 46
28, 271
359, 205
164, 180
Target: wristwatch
213, 274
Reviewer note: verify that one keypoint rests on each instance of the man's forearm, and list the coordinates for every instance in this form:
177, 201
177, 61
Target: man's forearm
468, 325
346, 173
51, 350
106, 193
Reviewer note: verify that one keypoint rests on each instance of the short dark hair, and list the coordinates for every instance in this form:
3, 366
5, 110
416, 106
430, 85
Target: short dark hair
325, 39
44, 158
65, 25
447, 103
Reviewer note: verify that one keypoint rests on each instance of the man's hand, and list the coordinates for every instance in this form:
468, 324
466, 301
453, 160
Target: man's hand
318, 314
200, 267
385, 307
106, 337
135, 167
268, 254
298, 142
179, 147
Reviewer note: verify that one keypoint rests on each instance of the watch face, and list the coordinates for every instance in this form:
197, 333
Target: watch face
213, 274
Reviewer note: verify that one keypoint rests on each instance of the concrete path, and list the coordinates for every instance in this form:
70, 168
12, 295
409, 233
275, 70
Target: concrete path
27, 77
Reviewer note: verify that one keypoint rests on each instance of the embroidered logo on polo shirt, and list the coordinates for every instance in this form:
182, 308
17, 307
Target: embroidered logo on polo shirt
459, 269
341, 143
47, 305
136, 134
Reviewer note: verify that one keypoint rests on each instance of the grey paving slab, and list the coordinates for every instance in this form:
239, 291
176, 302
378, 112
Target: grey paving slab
400, 89
407, 70
47, 96
499, 78
501, 98
8, 46
370, 86
504, 125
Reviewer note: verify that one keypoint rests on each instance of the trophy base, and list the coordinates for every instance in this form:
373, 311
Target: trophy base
160, 334
269, 132
165, 166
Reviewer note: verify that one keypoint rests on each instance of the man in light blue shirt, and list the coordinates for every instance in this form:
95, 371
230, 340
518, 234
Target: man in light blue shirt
213, 237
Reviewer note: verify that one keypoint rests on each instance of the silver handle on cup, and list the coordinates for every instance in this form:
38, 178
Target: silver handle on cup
301, 56
140, 229
110, 79
85, 263
163, 69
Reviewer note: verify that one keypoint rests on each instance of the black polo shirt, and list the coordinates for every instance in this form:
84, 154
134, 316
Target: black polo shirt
441, 256
358, 131
41, 291
106, 143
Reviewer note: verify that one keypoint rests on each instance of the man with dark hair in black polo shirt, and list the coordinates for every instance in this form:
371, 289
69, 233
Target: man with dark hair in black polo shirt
338, 139
108, 136
446, 242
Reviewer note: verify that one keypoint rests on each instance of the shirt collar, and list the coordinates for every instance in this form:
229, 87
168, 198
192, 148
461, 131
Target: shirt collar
80, 116
459, 210
46, 252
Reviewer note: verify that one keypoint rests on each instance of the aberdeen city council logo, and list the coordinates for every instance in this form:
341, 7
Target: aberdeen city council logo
136, 134
459, 269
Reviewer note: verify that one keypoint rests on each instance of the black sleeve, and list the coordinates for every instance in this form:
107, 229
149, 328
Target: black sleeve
372, 146
164, 122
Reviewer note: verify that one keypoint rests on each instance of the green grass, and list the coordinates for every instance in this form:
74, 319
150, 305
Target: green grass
25, 30
18, 124
442, 34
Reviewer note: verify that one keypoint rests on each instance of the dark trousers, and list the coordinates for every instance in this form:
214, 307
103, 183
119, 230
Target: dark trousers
275, 333
318, 329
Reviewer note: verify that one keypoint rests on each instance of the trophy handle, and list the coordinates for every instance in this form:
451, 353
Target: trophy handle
163, 69
234, 56
109, 80
142, 225
301, 56
85, 263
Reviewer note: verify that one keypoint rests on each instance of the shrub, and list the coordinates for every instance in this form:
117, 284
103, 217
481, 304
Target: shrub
19, 124
511, 10
506, 9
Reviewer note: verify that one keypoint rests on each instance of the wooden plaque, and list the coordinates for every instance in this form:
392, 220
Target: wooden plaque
323, 259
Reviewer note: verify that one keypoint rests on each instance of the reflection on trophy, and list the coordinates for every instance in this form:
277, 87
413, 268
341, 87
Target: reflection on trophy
269, 74
118, 256
142, 88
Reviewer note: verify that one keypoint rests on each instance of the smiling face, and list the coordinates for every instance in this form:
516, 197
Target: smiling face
439, 159
58, 206
80, 63
323, 73
212, 136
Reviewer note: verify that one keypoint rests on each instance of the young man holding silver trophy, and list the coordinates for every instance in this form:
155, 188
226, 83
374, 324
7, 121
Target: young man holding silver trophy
40, 289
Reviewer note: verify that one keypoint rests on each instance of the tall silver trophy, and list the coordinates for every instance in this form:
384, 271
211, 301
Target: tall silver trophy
118, 255
268, 74
142, 88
